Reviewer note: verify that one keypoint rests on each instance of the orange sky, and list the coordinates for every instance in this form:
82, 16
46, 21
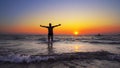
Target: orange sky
62, 30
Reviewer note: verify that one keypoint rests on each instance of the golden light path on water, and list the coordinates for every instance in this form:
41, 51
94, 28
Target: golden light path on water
77, 48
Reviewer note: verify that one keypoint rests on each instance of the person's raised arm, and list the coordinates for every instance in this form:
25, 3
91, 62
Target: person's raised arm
44, 26
57, 25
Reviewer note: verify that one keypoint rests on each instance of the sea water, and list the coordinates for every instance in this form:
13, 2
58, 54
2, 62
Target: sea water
19, 48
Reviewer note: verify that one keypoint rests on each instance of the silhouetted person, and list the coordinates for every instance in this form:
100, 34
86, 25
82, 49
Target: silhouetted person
50, 31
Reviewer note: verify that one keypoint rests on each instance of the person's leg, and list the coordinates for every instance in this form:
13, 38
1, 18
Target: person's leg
51, 38
48, 38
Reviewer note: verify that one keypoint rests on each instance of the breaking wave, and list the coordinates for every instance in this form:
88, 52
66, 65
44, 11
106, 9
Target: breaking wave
101, 55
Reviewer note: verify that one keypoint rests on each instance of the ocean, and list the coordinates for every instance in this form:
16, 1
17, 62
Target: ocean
35, 48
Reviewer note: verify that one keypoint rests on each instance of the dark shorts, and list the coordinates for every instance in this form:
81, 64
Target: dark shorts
50, 34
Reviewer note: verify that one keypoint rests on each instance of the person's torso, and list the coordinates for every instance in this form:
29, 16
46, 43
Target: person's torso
50, 30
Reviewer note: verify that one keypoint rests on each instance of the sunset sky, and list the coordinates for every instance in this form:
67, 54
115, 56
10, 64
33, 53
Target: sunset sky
83, 16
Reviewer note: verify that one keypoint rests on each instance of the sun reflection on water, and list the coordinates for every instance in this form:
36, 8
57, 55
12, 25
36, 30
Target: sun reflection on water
76, 48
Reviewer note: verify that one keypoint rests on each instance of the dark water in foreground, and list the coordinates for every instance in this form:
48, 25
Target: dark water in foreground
34, 48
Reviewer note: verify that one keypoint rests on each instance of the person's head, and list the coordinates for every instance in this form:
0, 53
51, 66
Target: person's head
50, 24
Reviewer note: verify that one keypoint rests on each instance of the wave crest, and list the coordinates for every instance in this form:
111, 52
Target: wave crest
101, 55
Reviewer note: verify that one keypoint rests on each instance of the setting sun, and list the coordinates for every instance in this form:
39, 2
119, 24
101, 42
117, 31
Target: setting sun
76, 33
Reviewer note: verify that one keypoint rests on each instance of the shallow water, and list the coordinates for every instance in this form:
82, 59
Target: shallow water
60, 45
38, 48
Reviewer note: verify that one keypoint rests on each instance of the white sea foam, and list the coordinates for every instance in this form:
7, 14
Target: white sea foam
17, 58
24, 58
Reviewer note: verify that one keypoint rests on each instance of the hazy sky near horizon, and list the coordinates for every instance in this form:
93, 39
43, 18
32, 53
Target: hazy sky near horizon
84, 16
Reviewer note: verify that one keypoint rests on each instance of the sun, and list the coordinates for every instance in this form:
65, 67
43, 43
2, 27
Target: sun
76, 33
